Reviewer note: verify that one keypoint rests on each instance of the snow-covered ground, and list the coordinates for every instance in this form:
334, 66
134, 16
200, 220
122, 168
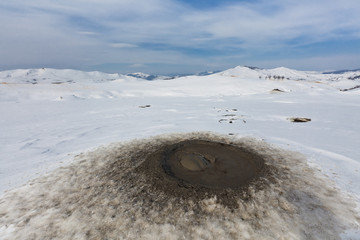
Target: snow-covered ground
48, 116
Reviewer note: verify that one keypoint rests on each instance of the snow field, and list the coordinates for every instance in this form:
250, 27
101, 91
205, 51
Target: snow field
44, 125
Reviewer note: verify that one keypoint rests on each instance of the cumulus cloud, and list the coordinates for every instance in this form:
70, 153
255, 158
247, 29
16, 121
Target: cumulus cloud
92, 29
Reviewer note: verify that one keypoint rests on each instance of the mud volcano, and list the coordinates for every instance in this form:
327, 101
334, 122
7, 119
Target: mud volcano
210, 164
180, 186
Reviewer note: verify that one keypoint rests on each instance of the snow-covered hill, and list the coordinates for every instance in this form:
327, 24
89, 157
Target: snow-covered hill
48, 116
55, 76
54, 84
282, 73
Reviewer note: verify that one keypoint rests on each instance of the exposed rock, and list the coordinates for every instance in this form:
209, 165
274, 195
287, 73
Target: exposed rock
299, 119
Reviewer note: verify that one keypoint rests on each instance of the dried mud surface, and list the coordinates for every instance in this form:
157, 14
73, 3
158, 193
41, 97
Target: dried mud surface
150, 189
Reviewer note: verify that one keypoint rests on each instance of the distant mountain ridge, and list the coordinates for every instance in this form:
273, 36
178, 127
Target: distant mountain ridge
148, 77
342, 71
59, 76
151, 77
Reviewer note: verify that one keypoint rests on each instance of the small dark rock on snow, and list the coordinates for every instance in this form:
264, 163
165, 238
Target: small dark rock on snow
299, 119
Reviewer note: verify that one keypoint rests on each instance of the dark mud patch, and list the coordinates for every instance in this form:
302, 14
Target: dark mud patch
349, 89
198, 169
211, 165
299, 119
277, 90
145, 106
141, 190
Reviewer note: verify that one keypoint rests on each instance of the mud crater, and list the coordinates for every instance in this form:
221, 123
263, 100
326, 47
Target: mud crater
199, 169
211, 165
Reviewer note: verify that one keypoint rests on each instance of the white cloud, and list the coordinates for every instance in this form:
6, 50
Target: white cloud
88, 33
323, 63
137, 65
123, 45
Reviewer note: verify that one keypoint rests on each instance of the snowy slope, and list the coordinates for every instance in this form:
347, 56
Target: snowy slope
55, 76
282, 73
44, 125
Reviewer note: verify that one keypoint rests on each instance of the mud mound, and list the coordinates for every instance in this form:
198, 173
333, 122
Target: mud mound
190, 186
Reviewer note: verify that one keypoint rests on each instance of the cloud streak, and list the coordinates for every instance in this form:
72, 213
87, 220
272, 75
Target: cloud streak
122, 45
82, 33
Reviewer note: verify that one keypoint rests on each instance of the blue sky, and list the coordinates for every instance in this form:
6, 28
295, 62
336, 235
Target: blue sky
179, 36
